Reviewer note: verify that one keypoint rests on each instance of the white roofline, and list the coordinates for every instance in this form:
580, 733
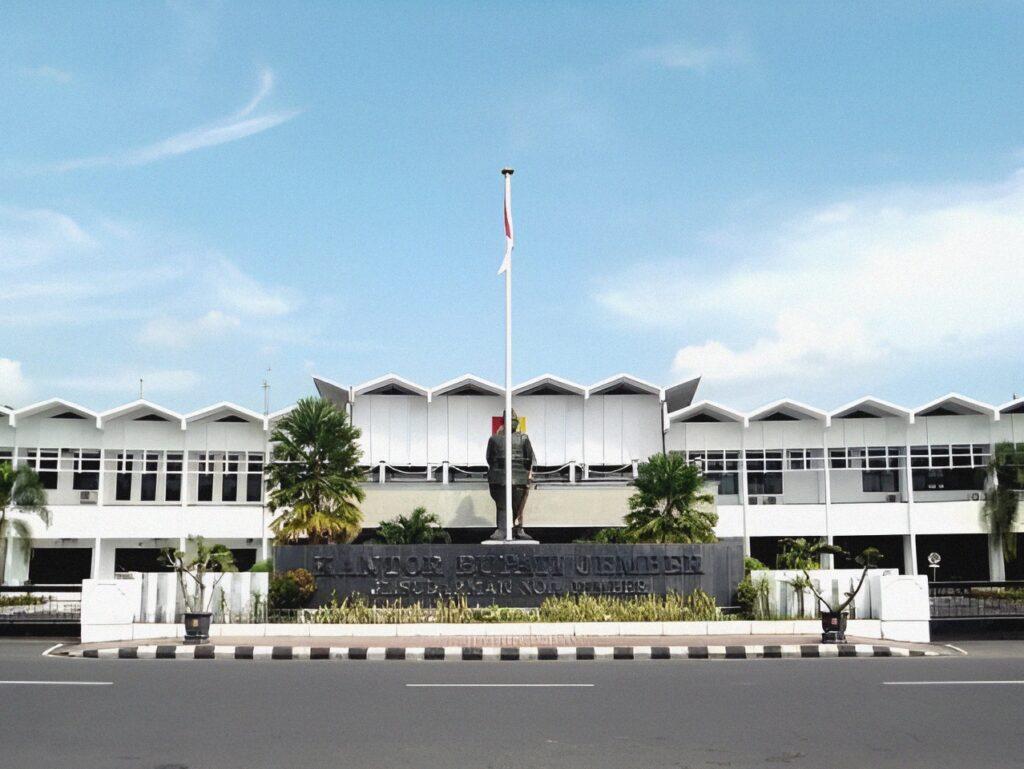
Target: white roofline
360, 389
224, 406
803, 408
577, 388
331, 382
141, 403
35, 408
710, 407
280, 413
896, 411
1010, 404
985, 408
653, 389
452, 384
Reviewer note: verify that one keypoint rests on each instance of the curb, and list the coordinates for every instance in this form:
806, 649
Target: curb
506, 653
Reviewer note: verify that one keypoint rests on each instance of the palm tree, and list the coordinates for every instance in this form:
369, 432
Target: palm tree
420, 528
314, 475
21, 490
799, 553
1002, 500
668, 505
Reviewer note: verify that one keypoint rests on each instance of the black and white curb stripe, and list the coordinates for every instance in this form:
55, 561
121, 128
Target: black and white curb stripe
471, 653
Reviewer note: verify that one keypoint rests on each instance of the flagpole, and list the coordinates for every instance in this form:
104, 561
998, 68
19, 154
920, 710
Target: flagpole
507, 173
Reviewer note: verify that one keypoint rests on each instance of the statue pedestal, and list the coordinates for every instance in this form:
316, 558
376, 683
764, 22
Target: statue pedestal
510, 542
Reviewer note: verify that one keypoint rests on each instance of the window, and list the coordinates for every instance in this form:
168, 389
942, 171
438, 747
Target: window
229, 483
721, 467
949, 479
44, 462
963, 455
805, 459
204, 477
148, 481
172, 493
867, 458
123, 487
86, 466
764, 472
254, 480
880, 480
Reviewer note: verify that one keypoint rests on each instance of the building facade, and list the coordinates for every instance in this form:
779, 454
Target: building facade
126, 483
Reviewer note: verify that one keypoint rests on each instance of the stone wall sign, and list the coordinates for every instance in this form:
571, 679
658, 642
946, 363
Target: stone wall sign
514, 576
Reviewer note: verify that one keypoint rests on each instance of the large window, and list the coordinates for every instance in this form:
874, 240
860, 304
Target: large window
204, 477
173, 481
44, 462
123, 484
764, 472
229, 484
866, 458
720, 467
880, 480
86, 467
254, 479
956, 467
148, 481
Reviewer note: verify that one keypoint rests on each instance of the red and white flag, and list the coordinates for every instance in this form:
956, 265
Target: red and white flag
509, 236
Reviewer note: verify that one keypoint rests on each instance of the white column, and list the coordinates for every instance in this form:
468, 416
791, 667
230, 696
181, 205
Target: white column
572, 472
827, 561
744, 501
910, 540
996, 564
381, 472
444, 472
97, 557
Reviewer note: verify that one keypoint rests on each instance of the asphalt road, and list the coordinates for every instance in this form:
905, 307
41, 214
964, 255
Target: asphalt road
222, 714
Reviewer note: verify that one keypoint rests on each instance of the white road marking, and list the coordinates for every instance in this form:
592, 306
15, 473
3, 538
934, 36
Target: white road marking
55, 646
56, 683
953, 683
499, 686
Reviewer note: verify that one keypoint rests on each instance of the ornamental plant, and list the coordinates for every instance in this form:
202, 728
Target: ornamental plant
1002, 495
193, 567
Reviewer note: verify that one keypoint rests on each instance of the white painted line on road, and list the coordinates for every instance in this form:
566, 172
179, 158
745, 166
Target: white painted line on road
56, 683
953, 683
499, 686
55, 646
956, 648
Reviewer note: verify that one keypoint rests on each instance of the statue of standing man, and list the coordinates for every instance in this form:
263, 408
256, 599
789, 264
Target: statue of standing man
523, 460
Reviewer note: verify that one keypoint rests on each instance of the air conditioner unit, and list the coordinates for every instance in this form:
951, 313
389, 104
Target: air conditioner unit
752, 500
88, 497
975, 496
891, 498
771, 500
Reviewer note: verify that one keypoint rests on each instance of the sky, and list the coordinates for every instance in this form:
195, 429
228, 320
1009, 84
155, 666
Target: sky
810, 200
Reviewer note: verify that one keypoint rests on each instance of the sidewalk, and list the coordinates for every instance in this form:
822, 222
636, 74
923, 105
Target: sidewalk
478, 647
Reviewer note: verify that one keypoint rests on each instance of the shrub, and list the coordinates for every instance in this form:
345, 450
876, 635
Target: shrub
264, 566
22, 600
698, 606
291, 590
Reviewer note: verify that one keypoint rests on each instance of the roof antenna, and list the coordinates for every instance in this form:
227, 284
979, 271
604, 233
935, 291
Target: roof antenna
266, 393
140, 389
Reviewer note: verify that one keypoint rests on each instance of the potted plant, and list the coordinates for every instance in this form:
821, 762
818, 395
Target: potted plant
833, 621
192, 569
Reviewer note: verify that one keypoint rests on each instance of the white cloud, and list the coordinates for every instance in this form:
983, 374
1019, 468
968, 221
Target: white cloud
29, 236
14, 387
924, 273
232, 128
46, 72
168, 332
237, 290
698, 58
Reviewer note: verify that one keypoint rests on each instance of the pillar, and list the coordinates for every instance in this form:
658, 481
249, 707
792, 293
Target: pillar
910, 554
996, 564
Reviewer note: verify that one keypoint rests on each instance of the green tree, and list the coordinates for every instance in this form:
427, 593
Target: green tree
314, 476
799, 553
420, 528
1002, 497
670, 504
20, 489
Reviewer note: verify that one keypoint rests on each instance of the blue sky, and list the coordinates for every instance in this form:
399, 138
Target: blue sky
809, 200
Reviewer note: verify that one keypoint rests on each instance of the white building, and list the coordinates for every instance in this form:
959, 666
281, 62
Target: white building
125, 483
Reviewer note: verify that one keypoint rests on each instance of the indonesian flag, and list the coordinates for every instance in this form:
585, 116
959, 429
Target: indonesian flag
509, 237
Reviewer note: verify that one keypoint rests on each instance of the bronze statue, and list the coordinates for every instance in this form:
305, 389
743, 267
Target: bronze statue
523, 460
